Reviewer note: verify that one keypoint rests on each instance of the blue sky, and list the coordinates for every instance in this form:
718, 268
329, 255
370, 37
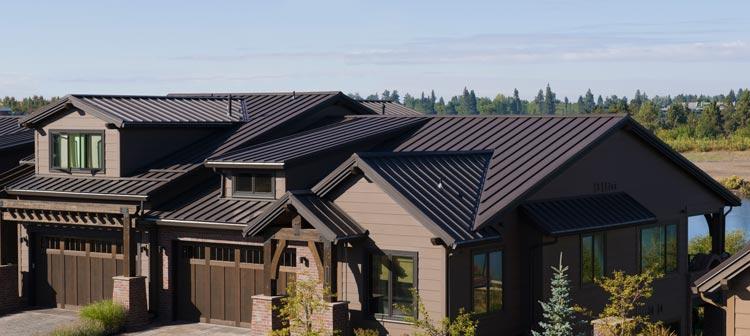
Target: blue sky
150, 47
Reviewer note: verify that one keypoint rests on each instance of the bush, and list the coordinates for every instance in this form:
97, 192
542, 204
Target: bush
366, 332
111, 315
655, 329
737, 184
83, 328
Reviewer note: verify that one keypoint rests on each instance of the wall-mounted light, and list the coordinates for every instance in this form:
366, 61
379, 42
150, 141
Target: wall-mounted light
304, 261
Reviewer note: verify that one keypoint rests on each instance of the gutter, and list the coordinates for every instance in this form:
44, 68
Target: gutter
117, 197
252, 165
195, 224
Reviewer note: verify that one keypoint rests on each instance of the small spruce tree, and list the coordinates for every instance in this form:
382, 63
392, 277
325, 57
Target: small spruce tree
558, 309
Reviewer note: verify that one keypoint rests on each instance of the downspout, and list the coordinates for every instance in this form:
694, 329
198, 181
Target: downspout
705, 299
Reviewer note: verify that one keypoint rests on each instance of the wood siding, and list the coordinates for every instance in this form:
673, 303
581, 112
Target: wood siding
279, 182
738, 306
391, 228
78, 120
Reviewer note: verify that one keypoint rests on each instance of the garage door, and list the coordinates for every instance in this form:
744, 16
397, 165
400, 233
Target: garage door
215, 283
71, 272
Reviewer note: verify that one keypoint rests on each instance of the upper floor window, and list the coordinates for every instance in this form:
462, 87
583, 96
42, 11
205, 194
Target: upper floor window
394, 277
659, 248
77, 150
592, 257
487, 281
253, 184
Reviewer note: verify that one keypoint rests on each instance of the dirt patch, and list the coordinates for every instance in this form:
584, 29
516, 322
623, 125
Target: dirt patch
722, 164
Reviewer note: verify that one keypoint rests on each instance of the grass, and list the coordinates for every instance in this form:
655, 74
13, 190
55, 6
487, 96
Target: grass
97, 319
734, 143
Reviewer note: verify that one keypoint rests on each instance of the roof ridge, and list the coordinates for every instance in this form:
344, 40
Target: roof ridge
498, 116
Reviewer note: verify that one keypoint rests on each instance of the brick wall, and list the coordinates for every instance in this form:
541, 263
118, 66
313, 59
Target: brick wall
131, 293
265, 317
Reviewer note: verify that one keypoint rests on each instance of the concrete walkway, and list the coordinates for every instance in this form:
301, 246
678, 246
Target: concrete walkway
43, 321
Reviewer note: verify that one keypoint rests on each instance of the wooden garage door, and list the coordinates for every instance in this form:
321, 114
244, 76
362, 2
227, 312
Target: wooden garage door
74, 272
215, 283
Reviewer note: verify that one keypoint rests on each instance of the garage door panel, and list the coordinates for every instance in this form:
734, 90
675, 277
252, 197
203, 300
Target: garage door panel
71, 278
96, 283
84, 279
247, 290
217, 297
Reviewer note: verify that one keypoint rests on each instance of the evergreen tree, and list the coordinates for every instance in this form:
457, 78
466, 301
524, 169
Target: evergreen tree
676, 115
440, 106
516, 106
395, 97
648, 115
600, 102
742, 108
549, 101
588, 102
708, 124
473, 103
580, 105
558, 312
539, 102
566, 105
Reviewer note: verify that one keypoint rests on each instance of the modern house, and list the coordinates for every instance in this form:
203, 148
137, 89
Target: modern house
726, 290
16, 142
204, 207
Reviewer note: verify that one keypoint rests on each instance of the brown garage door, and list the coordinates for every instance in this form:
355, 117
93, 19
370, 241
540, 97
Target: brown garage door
215, 283
74, 272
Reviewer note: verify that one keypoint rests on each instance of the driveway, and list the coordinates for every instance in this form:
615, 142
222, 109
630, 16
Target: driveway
42, 321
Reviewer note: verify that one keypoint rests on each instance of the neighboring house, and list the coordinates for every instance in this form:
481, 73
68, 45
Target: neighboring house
726, 290
16, 142
5, 111
226, 199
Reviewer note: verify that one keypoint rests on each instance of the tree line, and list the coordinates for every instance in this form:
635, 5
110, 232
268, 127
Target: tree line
25, 105
688, 115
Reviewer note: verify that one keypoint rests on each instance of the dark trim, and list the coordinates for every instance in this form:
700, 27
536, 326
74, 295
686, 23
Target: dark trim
92, 171
593, 257
390, 254
663, 227
486, 251
252, 194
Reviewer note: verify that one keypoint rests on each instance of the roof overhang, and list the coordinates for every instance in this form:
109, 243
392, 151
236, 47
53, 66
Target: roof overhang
195, 224
115, 197
245, 165
721, 274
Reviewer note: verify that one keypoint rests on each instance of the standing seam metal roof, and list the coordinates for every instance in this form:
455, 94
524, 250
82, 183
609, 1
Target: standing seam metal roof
387, 107
12, 134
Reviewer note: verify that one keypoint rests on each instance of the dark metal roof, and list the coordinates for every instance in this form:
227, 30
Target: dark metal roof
205, 205
266, 114
14, 174
727, 270
323, 139
387, 107
12, 134
330, 220
587, 213
161, 110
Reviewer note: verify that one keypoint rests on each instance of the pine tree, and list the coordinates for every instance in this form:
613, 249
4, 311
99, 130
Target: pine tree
516, 106
558, 311
539, 102
549, 101
588, 102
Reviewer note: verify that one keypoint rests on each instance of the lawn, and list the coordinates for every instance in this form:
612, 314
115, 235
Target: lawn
720, 164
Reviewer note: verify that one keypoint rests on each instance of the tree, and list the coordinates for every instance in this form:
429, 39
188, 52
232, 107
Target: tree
735, 241
742, 108
708, 124
516, 106
676, 115
549, 101
648, 115
539, 102
627, 294
588, 102
463, 325
566, 105
558, 311
298, 309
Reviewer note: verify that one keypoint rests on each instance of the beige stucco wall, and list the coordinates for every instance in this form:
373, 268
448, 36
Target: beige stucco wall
78, 120
391, 227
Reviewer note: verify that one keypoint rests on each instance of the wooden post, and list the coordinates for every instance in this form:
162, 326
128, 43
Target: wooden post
269, 284
129, 248
2, 242
717, 230
329, 269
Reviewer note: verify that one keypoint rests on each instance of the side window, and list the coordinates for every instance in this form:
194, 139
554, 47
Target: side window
487, 281
592, 257
253, 185
393, 276
659, 248
77, 151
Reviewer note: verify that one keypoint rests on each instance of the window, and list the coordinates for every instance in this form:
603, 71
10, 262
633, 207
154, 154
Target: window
77, 151
487, 281
659, 248
592, 257
394, 275
256, 184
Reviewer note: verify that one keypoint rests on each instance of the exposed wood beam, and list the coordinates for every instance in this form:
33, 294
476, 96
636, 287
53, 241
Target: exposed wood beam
280, 247
318, 261
329, 268
66, 206
269, 284
128, 244
303, 235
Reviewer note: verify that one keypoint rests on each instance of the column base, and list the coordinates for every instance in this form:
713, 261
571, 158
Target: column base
131, 293
10, 301
265, 318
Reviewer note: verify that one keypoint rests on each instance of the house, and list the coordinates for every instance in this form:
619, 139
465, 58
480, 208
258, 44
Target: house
16, 142
726, 291
204, 207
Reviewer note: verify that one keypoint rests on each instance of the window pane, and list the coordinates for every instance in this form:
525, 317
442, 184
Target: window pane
243, 183
77, 150
671, 255
263, 183
380, 275
403, 283
479, 270
598, 256
496, 281
480, 300
60, 151
652, 248
587, 257
96, 151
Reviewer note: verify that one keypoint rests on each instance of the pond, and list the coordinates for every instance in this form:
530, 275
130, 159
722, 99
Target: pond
738, 219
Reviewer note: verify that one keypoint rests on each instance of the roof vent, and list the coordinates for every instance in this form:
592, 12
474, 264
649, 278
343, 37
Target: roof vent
440, 184
229, 112
294, 94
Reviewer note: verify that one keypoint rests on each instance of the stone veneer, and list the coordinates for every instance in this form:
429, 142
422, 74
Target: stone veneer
131, 293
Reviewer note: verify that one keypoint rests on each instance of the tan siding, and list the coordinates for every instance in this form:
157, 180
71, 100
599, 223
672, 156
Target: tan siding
78, 120
279, 182
391, 228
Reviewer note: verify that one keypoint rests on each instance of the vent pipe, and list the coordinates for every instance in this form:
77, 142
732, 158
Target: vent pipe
229, 112
382, 107
294, 94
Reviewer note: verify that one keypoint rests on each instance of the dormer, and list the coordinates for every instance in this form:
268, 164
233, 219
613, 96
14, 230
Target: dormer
258, 184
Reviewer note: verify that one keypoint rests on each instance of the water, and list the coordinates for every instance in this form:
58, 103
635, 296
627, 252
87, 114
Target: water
738, 219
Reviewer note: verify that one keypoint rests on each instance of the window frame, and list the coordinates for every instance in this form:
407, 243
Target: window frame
487, 251
663, 227
603, 235
51, 147
390, 254
253, 194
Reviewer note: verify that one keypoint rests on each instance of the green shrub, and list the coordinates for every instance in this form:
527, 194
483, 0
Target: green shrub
111, 315
83, 328
366, 332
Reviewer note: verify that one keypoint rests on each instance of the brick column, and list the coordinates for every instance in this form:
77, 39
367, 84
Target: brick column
131, 293
9, 299
335, 318
264, 317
